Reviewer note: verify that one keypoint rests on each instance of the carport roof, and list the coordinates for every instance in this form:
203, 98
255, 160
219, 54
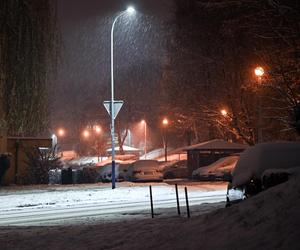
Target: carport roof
216, 144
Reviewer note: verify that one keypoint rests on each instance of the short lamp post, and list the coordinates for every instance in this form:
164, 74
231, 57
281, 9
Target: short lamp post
165, 124
145, 138
259, 72
130, 10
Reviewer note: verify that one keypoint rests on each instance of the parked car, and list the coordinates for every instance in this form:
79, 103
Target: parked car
219, 170
177, 169
105, 173
145, 170
262, 166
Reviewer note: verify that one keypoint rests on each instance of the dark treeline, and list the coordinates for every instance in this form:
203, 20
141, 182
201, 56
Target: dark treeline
215, 48
28, 53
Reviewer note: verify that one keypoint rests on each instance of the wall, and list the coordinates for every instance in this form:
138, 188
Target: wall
17, 146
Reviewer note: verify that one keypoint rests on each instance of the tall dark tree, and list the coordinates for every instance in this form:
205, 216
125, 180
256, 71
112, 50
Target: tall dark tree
28, 52
214, 50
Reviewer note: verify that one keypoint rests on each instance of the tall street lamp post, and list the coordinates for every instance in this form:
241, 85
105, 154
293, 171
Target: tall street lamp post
165, 123
259, 72
129, 10
145, 138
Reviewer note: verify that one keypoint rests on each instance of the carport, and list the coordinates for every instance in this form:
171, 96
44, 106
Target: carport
205, 153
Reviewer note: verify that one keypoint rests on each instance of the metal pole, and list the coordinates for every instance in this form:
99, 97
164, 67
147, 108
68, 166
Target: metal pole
112, 107
145, 149
187, 203
177, 198
151, 202
259, 131
260, 134
166, 145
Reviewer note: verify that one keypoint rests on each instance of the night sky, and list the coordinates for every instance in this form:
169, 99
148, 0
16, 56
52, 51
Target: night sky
83, 78
85, 29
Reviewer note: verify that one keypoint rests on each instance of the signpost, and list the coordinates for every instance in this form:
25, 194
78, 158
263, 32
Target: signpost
113, 108
117, 106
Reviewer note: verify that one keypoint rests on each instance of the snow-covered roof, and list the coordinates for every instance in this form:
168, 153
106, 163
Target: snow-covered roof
125, 148
216, 144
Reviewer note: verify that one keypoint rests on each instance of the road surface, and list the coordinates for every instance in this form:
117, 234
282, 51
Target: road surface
54, 212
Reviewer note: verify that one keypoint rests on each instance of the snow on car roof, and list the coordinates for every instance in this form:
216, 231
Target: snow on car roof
229, 162
255, 160
146, 164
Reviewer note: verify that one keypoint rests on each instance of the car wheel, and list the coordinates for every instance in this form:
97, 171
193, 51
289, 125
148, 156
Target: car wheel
228, 204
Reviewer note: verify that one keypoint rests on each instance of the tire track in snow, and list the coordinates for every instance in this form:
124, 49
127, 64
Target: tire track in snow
44, 215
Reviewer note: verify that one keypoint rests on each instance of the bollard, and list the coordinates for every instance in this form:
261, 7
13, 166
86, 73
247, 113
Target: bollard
177, 199
151, 202
187, 203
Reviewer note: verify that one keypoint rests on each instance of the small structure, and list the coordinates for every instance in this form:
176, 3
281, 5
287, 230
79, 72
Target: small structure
18, 146
205, 153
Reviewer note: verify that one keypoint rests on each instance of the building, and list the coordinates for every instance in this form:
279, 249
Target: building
18, 147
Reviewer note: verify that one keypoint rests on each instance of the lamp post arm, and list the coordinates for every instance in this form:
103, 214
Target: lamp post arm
112, 52
112, 110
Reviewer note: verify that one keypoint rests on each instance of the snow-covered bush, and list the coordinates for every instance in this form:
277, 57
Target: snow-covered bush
39, 163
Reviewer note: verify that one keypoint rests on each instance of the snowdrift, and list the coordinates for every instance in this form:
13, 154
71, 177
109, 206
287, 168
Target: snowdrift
267, 221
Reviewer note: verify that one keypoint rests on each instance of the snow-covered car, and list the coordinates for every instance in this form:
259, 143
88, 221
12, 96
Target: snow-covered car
177, 169
145, 170
219, 170
105, 172
262, 166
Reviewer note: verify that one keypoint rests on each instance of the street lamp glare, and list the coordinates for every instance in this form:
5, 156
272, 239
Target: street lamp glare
61, 132
130, 10
224, 112
86, 134
259, 71
98, 129
165, 122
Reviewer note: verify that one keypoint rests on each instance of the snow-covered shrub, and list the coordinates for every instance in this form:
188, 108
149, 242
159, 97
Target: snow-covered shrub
39, 163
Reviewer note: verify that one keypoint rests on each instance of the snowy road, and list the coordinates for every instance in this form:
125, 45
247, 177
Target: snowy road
44, 207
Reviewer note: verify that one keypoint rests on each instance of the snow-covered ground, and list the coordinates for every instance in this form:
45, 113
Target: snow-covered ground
270, 220
72, 204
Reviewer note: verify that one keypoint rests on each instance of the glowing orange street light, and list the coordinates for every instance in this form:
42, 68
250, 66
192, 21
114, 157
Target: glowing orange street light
61, 132
259, 71
98, 129
165, 122
86, 134
224, 112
